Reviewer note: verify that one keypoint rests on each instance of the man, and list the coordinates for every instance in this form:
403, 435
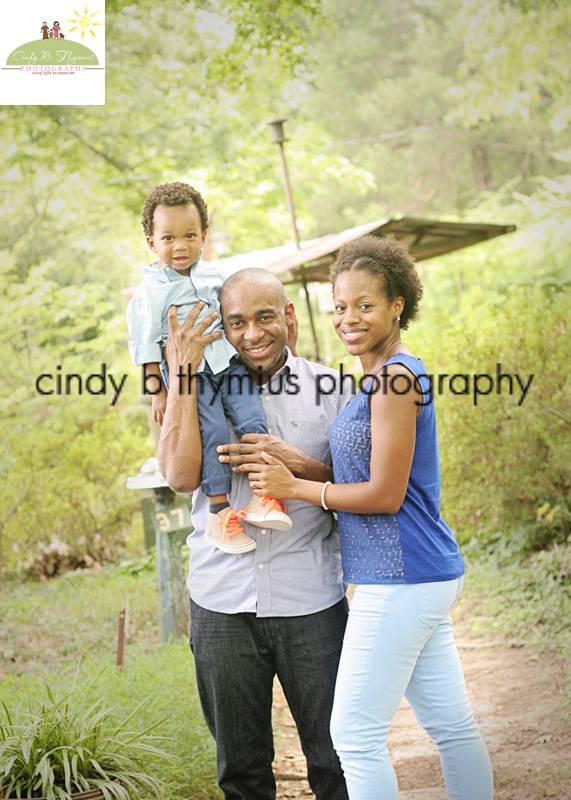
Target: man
279, 609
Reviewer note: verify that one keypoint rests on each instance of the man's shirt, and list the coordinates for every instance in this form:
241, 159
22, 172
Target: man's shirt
290, 573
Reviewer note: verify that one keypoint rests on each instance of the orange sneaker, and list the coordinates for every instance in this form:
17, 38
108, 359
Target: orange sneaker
266, 512
224, 531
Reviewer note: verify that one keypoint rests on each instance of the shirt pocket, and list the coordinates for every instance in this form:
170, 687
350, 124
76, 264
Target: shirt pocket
310, 436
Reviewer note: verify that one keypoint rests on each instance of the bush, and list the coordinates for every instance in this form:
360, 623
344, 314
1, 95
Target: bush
506, 457
47, 627
65, 458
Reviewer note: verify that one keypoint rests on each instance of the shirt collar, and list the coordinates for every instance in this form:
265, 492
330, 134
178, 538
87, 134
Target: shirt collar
160, 272
286, 369
290, 362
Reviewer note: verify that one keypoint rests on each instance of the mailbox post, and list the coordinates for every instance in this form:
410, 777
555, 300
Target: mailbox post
171, 521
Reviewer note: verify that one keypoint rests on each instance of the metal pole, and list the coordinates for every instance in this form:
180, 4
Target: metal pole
289, 197
279, 139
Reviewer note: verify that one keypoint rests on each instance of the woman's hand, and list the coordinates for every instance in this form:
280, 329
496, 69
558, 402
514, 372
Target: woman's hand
272, 479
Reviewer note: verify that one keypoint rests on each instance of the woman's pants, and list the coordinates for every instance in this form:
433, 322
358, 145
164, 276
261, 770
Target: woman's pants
399, 641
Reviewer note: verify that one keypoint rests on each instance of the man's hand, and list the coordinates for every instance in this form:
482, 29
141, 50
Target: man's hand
179, 449
186, 343
251, 446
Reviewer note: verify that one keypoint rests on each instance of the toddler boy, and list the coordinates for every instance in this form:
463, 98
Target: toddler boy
175, 221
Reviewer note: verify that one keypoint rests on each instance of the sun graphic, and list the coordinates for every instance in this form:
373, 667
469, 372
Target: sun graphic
84, 22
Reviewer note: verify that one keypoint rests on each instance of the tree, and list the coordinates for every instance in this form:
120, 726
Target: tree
421, 94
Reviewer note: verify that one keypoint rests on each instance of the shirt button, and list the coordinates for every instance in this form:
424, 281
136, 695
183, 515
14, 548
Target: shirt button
267, 398
260, 566
167, 269
264, 531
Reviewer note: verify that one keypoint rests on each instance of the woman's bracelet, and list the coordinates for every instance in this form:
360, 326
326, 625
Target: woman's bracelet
323, 490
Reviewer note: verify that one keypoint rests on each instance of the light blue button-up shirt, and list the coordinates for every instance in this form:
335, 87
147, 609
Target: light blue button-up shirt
290, 573
163, 286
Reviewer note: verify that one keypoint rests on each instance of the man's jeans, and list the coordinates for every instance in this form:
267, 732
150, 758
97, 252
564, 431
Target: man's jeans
237, 656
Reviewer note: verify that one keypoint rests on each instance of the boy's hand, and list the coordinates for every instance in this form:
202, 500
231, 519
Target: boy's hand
186, 343
159, 405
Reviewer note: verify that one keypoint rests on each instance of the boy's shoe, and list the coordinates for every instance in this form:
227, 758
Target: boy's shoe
224, 531
266, 512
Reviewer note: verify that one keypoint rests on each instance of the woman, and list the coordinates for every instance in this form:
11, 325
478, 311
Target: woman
395, 547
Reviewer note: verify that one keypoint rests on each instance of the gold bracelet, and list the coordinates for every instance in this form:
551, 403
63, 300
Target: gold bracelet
325, 485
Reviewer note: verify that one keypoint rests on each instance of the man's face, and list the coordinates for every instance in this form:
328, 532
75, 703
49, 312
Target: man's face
256, 323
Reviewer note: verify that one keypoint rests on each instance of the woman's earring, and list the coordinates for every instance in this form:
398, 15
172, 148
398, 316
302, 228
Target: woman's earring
397, 318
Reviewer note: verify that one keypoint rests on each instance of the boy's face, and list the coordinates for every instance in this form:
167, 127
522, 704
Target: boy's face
177, 236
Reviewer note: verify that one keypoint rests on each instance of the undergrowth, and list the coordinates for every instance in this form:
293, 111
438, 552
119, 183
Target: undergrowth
510, 594
48, 628
521, 596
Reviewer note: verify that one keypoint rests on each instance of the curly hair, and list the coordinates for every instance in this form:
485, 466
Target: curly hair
173, 194
389, 260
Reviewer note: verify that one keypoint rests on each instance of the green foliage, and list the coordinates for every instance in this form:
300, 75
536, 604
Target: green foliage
520, 596
278, 31
248, 29
169, 671
515, 60
441, 100
58, 744
505, 458
191, 87
65, 456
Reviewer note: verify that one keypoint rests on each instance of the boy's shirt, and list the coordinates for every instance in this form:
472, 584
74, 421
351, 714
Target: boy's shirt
162, 287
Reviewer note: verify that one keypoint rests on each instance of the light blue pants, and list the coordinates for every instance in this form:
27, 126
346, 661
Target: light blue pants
399, 641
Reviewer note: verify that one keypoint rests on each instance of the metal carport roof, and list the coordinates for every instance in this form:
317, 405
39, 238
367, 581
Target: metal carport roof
425, 238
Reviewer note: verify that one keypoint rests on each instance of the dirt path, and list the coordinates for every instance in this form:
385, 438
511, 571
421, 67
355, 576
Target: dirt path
517, 697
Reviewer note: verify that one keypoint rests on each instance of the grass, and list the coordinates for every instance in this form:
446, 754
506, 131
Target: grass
81, 605
48, 628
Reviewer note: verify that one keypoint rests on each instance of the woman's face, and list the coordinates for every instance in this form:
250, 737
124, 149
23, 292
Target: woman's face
364, 318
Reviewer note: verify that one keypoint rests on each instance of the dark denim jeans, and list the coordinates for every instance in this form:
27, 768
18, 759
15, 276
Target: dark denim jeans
237, 657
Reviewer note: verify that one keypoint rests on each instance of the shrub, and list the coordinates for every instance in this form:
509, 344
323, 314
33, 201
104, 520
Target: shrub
506, 460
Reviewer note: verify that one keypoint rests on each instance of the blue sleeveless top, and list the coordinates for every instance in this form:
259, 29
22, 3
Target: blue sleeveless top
414, 545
